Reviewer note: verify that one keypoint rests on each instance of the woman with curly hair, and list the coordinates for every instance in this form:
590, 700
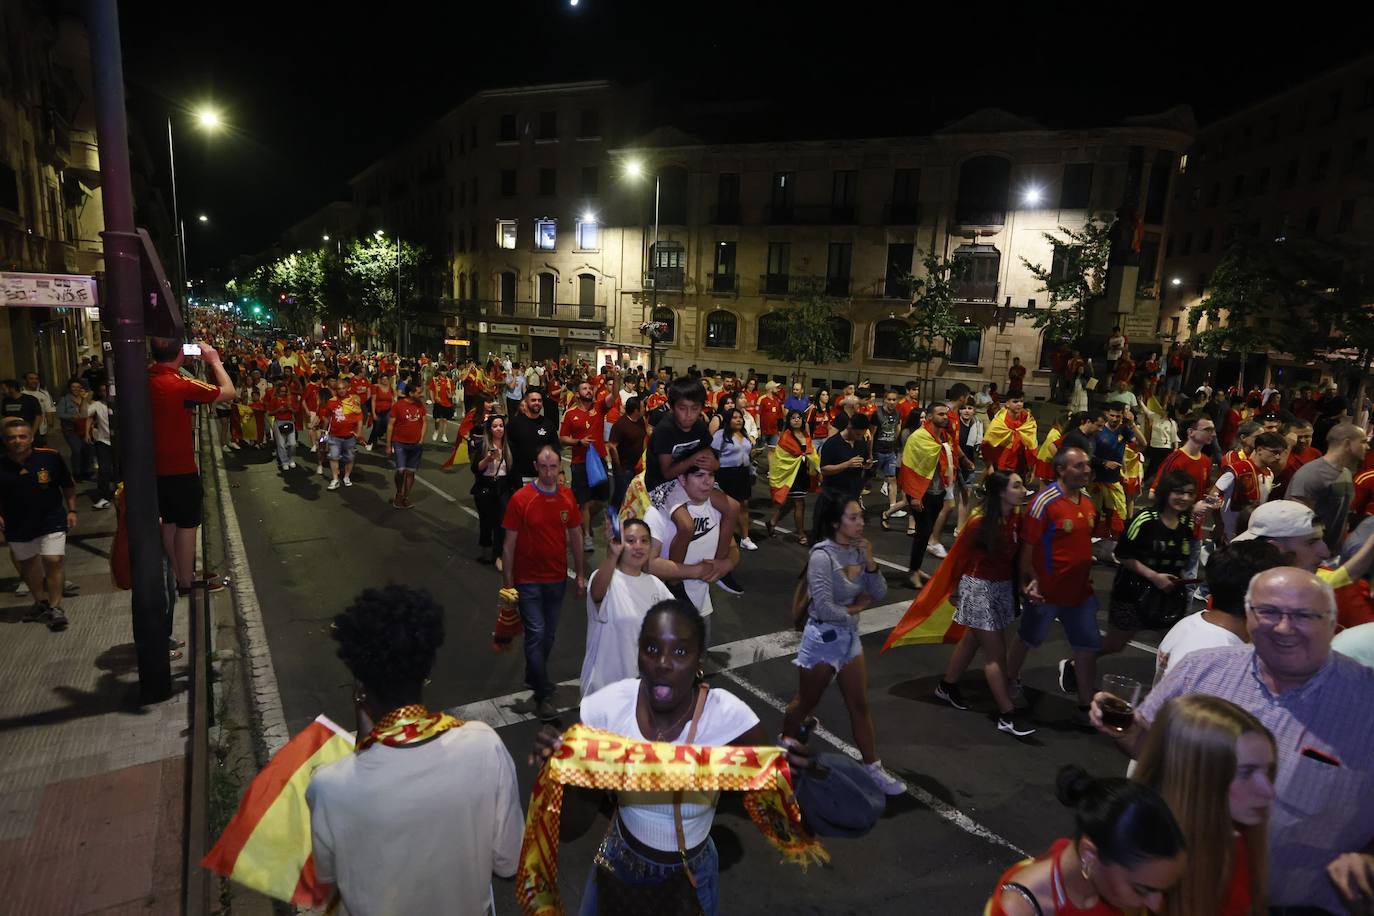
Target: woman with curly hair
428, 809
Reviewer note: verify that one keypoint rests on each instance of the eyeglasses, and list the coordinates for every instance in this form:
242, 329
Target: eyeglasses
1271, 616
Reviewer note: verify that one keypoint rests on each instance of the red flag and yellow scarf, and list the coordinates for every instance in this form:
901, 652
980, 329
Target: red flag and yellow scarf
595, 759
788, 457
1009, 443
924, 455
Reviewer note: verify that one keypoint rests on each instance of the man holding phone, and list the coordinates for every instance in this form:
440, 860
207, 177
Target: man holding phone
173, 398
843, 461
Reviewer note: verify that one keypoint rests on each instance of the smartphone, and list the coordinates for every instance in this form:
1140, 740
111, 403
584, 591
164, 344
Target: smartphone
191, 349
614, 518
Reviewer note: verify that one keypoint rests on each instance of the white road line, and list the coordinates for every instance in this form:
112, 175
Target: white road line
943, 809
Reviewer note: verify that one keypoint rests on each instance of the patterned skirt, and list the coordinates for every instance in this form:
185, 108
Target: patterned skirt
984, 605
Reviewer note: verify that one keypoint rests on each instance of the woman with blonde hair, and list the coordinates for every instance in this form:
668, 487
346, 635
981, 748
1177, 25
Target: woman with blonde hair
1214, 764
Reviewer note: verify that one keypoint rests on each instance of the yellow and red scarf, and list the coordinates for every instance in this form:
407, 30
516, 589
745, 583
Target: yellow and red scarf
596, 759
923, 457
413, 724
1010, 443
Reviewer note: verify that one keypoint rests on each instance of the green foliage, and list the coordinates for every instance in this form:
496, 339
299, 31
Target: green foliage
931, 322
808, 329
1242, 301
370, 280
1074, 279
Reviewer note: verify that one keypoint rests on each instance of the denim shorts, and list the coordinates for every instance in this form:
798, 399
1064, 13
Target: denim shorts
342, 449
616, 857
407, 455
1079, 620
886, 463
828, 644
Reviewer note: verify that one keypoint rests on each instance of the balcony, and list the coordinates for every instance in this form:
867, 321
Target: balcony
902, 214
723, 283
665, 279
837, 286
558, 312
725, 214
810, 215
896, 288
773, 284
975, 291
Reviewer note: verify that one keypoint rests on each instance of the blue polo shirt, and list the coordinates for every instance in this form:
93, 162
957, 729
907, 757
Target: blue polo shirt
1110, 446
31, 500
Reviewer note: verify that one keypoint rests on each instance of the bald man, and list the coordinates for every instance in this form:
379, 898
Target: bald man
1316, 704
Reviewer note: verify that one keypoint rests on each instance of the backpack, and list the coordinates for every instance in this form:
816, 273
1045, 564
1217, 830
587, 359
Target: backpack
801, 596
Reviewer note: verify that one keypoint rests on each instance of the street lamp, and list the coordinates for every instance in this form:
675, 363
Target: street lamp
207, 119
1031, 196
634, 169
203, 218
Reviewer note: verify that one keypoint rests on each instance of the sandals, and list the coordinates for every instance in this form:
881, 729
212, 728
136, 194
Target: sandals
882, 520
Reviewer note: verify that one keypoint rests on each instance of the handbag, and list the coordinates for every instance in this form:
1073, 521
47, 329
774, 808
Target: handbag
675, 896
596, 468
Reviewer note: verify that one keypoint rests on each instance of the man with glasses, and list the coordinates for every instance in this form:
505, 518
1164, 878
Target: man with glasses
1316, 704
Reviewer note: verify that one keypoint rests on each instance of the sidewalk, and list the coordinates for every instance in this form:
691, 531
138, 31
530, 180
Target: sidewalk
92, 786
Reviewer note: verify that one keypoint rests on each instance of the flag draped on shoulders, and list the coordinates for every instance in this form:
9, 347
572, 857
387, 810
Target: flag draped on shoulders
930, 619
1044, 458
924, 455
1010, 442
459, 455
788, 458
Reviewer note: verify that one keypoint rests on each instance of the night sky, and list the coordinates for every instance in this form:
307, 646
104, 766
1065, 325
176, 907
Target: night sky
314, 92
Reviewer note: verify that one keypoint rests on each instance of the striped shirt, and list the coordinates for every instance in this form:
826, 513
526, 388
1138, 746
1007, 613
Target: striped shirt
1322, 809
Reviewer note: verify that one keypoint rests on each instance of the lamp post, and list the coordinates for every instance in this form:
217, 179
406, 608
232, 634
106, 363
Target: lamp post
634, 169
208, 119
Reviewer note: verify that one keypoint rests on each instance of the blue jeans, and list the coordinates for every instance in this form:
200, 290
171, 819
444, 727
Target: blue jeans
540, 604
632, 868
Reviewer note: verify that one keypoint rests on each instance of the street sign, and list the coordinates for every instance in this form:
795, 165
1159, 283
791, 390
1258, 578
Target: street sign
457, 341
47, 290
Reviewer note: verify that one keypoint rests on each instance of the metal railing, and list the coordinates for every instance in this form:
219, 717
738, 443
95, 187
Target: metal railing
552, 311
773, 284
200, 699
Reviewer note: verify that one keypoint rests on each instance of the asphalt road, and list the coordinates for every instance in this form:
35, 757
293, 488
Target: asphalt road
978, 798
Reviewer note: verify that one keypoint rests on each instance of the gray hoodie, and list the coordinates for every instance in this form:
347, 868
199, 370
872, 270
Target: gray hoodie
831, 591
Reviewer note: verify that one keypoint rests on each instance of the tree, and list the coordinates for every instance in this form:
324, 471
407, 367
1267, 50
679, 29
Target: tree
1076, 277
807, 329
931, 322
371, 266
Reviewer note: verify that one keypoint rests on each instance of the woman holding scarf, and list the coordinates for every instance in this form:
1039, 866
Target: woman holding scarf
428, 809
794, 470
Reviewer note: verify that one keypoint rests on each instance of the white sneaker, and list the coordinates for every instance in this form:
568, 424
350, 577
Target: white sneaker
320, 468
291, 465
588, 543
101, 504
367, 446
445, 438
225, 446
937, 550
348, 481
333, 484
22, 590
235, 446
748, 544
883, 488
435, 436
889, 784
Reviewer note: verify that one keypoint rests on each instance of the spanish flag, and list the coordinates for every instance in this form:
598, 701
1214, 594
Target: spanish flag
924, 455
266, 845
788, 458
459, 456
1000, 441
1044, 467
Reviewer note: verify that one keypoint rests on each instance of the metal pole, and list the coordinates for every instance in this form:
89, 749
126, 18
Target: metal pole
178, 231
653, 300
124, 305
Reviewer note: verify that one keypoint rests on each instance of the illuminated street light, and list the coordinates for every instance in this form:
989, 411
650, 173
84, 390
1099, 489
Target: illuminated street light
378, 234
203, 218
589, 217
1031, 196
1177, 281
634, 168
326, 237
209, 119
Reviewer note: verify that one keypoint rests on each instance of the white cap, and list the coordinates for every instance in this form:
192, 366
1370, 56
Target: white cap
1281, 519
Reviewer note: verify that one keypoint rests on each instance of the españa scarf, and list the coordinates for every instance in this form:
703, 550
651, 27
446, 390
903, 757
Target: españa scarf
1000, 442
788, 457
413, 724
924, 455
595, 759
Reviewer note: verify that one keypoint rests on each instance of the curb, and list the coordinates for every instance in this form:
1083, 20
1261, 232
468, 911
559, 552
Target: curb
269, 730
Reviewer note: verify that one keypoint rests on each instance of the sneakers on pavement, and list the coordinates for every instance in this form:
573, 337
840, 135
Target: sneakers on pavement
434, 437
889, 784
444, 437
348, 481
290, 465
320, 469
1068, 677
235, 446
951, 694
588, 543
897, 513
728, 583
55, 619
748, 544
22, 591
1015, 723
937, 550
333, 484
101, 504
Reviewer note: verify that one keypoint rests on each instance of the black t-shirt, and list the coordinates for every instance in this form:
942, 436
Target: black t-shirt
526, 438
836, 450
884, 426
670, 439
1075, 438
31, 500
22, 405
1161, 548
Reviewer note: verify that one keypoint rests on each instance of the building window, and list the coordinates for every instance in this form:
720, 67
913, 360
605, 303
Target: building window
462, 240
548, 125
507, 132
672, 196
1064, 262
508, 183
772, 330
843, 330
1077, 190
546, 234
1346, 218
548, 182
1183, 164
505, 233
723, 278
979, 281
983, 185
897, 280
779, 262
588, 181
545, 295
889, 339
1322, 166
906, 196
780, 196
508, 293
966, 351
722, 329
473, 235
837, 265
586, 296
667, 261
844, 189
727, 200
462, 287
1049, 348
667, 317
589, 123
588, 236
